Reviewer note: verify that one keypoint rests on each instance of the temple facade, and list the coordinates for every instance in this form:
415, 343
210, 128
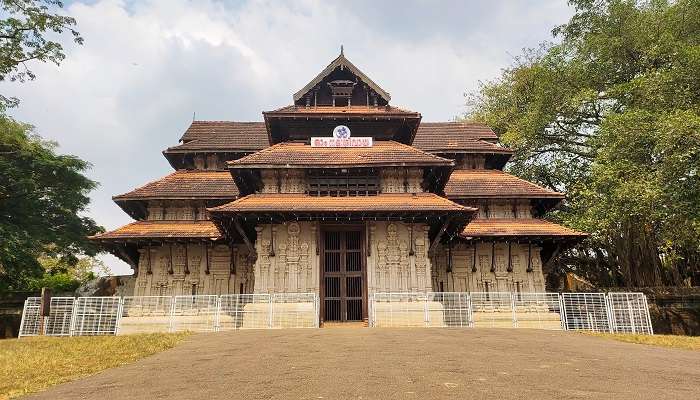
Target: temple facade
339, 194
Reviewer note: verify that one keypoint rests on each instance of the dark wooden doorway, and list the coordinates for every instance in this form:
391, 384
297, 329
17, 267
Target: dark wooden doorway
343, 274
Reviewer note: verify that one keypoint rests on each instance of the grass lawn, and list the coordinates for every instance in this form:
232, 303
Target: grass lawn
32, 364
678, 342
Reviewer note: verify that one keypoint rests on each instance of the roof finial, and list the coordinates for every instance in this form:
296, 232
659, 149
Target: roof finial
341, 50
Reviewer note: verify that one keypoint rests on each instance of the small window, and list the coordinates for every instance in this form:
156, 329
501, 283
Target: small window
342, 183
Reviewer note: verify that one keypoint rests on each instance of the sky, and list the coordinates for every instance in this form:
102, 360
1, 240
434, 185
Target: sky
148, 67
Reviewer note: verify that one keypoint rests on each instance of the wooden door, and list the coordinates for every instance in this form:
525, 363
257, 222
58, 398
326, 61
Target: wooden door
343, 283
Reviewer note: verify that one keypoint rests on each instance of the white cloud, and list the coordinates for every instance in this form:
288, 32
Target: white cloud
131, 90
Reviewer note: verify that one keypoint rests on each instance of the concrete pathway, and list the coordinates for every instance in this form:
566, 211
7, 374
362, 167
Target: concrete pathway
346, 363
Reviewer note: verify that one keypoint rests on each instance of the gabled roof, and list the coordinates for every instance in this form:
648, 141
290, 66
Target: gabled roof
299, 155
342, 62
303, 203
451, 136
505, 227
205, 230
252, 134
186, 184
489, 183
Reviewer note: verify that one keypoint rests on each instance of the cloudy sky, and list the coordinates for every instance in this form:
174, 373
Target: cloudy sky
147, 66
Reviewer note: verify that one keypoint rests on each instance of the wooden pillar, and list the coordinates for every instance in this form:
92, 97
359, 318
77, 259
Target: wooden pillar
493, 256
187, 260
232, 265
205, 247
529, 257
149, 270
510, 263
170, 260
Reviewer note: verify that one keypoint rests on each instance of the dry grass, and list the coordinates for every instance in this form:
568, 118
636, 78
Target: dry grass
678, 342
33, 364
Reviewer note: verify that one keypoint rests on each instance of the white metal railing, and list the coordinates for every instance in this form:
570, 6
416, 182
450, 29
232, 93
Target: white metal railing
60, 316
598, 312
629, 313
85, 316
95, 316
586, 311
31, 318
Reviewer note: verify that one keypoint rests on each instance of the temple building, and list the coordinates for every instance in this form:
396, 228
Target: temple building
339, 194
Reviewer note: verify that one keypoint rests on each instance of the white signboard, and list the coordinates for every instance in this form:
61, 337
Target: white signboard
341, 138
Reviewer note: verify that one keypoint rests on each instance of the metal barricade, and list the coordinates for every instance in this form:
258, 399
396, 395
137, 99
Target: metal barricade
95, 316
194, 313
30, 324
629, 313
597, 312
492, 310
538, 310
399, 310
245, 311
586, 311
294, 310
145, 314
60, 317
448, 309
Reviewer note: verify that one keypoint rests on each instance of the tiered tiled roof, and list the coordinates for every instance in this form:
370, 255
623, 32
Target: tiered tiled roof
302, 203
489, 183
251, 135
452, 136
163, 230
384, 153
447, 137
504, 227
185, 184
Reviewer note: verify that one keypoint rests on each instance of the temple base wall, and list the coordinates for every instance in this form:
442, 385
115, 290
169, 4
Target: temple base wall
396, 258
492, 271
163, 271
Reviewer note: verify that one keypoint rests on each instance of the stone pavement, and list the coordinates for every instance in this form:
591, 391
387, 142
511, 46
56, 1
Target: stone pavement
420, 363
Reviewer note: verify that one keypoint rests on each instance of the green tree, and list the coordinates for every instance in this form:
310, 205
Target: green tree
64, 277
42, 198
23, 38
610, 112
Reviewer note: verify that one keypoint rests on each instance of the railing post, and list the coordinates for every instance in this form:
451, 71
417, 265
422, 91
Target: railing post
562, 312
21, 321
271, 310
647, 314
120, 311
217, 318
426, 314
512, 308
172, 315
609, 314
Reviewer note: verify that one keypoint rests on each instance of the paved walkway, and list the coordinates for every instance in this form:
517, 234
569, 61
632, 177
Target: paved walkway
345, 363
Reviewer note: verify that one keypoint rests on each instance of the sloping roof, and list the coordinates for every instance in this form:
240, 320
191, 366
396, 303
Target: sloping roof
469, 146
451, 136
385, 111
302, 203
220, 143
186, 184
237, 134
163, 230
497, 227
480, 183
343, 62
385, 153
